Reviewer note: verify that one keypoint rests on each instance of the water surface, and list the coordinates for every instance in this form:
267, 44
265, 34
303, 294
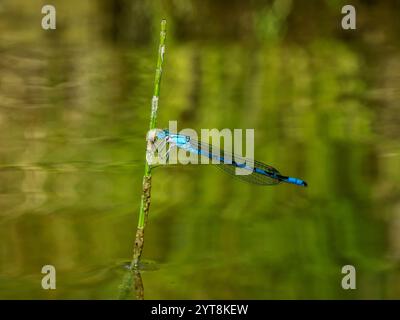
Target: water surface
74, 110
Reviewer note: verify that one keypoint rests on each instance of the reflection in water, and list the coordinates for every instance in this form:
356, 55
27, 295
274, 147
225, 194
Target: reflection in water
73, 117
139, 289
132, 278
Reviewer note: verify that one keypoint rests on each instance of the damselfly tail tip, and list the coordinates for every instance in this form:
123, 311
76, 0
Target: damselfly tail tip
295, 181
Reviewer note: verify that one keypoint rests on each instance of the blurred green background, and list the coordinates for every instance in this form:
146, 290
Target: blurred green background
74, 110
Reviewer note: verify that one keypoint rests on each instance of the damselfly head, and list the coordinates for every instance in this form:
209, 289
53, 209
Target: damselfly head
155, 134
164, 133
164, 136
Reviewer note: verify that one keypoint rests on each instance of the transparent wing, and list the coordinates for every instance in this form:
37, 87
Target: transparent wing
229, 162
253, 178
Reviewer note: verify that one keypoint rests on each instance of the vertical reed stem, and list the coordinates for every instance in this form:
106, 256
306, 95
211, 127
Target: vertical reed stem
146, 195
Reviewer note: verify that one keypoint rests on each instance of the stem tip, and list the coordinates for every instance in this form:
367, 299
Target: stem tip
163, 24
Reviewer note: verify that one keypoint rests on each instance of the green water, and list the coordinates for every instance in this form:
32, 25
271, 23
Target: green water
74, 110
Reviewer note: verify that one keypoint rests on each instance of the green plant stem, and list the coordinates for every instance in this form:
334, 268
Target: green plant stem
146, 195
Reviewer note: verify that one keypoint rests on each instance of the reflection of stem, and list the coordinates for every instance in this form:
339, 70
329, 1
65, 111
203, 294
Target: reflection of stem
126, 286
139, 289
127, 282
145, 200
